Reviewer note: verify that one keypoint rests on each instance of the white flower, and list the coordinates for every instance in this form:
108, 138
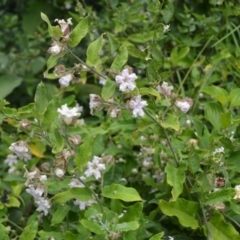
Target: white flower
43, 178
237, 195
114, 112
11, 160
147, 162
12, 169
59, 172
170, 238
184, 105
36, 193
102, 81
55, 49
95, 168
43, 205
95, 102
75, 183
68, 114
126, 80
83, 205
64, 25
218, 150
164, 89
166, 28
65, 80
137, 105
21, 149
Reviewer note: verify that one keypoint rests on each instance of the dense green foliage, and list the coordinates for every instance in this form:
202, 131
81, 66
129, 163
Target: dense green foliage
167, 166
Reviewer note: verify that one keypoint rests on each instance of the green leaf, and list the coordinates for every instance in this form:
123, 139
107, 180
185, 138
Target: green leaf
219, 229
51, 62
81, 194
218, 93
56, 139
113, 43
60, 214
149, 91
79, 32
41, 100
84, 153
222, 195
92, 226
178, 54
12, 202
213, 114
165, 75
8, 83
30, 231
141, 37
184, 210
116, 191
171, 121
193, 160
127, 226
235, 97
108, 89
70, 236
157, 236
133, 213
120, 60
3, 233
93, 52
45, 18
48, 235
175, 178
51, 114
225, 119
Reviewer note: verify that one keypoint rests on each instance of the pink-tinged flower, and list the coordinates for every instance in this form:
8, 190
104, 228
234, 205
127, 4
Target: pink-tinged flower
65, 29
56, 48
21, 149
95, 167
65, 80
83, 205
68, 115
11, 160
164, 89
184, 104
95, 103
75, 183
126, 80
136, 105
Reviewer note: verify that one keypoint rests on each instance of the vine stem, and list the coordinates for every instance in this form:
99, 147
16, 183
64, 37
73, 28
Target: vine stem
94, 195
177, 163
85, 64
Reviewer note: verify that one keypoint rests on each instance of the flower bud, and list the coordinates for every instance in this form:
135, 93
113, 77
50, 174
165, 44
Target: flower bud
59, 172
56, 48
75, 140
25, 125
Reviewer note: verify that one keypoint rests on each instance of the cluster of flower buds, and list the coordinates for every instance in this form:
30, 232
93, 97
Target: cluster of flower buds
58, 45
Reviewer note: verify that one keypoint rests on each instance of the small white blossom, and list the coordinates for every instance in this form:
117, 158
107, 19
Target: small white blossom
137, 105
59, 172
95, 167
43, 178
83, 205
95, 102
237, 195
21, 149
65, 80
12, 169
55, 49
170, 238
184, 105
43, 205
102, 81
218, 150
166, 28
164, 89
75, 183
68, 114
11, 160
35, 192
125, 80
114, 112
